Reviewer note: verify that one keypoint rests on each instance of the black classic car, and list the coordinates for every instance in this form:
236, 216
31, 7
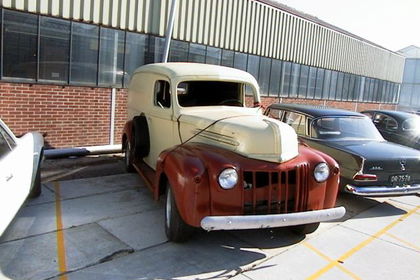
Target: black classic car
395, 126
370, 165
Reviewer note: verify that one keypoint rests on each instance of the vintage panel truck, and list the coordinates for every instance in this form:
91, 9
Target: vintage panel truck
219, 164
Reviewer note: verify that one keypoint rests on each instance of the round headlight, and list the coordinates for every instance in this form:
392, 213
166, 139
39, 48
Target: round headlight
321, 172
228, 178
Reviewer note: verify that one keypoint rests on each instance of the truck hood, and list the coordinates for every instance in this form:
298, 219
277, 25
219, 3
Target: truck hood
243, 131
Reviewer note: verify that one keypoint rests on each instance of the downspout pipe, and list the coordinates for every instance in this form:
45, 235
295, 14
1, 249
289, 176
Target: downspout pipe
169, 30
82, 151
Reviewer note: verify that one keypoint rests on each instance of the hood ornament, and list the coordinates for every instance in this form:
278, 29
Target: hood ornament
403, 163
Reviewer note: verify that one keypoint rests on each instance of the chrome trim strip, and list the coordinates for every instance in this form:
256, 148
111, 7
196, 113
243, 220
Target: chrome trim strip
382, 190
269, 221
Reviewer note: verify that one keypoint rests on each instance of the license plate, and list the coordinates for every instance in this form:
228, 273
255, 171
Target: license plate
395, 179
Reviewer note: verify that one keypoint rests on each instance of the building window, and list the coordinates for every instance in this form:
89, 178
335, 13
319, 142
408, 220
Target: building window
240, 61
197, 53
213, 55
54, 49
227, 58
178, 51
312, 82
136, 48
303, 82
20, 36
333, 85
275, 77
264, 75
111, 57
346, 86
339, 90
319, 83
294, 82
253, 65
84, 54
326, 84
285, 79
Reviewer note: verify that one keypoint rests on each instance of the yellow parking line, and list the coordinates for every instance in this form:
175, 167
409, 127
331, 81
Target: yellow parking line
61, 249
342, 268
349, 253
403, 241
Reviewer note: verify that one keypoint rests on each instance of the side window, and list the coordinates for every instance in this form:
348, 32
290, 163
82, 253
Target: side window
297, 121
162, 94
379, 120
6, 143
391, 124
274, 113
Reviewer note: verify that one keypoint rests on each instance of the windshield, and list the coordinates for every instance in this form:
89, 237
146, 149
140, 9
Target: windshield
211, 93
345, 128
412, 125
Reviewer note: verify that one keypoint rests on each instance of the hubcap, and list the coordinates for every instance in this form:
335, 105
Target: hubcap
168, 208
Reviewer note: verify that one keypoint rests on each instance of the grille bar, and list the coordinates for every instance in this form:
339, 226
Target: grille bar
268, 192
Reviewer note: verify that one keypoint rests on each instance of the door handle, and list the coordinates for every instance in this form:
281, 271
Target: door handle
9, 177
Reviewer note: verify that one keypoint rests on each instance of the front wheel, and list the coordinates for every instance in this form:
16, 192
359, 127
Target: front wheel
128, 157
305, 229
175, 228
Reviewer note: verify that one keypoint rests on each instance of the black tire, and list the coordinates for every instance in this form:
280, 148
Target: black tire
36, 188
305, 229
175, 228
128, 157
141, 137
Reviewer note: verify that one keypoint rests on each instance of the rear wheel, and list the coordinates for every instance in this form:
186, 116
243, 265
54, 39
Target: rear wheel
305, 229
128, 157
175, 228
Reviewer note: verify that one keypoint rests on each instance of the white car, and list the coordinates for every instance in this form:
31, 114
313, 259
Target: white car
20, 162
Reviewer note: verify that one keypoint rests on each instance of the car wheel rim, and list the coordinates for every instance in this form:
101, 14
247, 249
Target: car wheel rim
168, 208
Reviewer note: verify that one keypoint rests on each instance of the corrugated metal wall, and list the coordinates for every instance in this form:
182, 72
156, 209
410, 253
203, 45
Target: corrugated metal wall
241, 25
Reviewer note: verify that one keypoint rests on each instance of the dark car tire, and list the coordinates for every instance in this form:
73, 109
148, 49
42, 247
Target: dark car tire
305, 229
36, 188
141, 137
128, 157
175, 228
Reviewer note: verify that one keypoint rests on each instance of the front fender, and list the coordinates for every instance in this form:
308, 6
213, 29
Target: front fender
187, 175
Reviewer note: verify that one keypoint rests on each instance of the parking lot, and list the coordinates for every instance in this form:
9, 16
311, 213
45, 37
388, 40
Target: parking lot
93, 221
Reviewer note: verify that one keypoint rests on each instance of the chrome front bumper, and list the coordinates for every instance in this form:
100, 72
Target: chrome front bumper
382, 190
270, 221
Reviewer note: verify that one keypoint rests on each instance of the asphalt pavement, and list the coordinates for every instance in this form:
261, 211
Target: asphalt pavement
93, 221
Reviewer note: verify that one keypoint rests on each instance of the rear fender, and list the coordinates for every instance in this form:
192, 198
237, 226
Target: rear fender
127, 134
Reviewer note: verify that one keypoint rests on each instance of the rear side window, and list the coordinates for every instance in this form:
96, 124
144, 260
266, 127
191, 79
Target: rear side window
162, 94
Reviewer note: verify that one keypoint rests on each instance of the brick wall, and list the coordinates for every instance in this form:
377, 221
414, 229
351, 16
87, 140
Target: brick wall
72, 116
68, 116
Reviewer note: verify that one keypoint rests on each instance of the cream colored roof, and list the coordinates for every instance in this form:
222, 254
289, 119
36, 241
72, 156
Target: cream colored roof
182, 69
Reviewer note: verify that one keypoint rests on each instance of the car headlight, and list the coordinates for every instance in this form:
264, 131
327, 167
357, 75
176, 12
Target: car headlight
321, 172
228, 178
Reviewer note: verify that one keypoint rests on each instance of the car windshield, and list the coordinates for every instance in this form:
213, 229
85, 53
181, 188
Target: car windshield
412, 125
345, 128
211, 93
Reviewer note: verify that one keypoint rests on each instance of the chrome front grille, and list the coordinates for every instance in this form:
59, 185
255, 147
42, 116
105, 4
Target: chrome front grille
267, 192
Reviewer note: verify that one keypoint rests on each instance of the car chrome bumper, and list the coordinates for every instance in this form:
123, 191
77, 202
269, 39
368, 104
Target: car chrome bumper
382, 190
269, 221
